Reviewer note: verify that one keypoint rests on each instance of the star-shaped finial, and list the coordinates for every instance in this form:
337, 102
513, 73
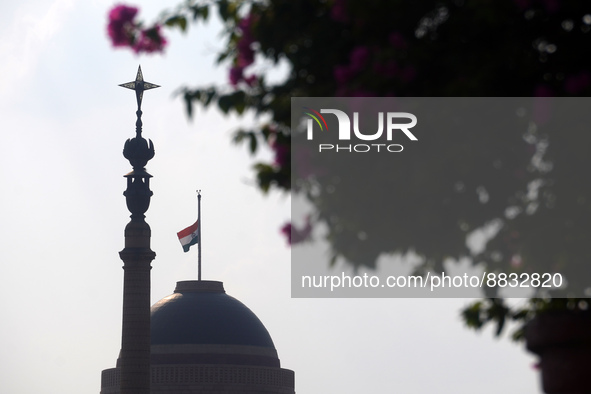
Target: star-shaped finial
139, 85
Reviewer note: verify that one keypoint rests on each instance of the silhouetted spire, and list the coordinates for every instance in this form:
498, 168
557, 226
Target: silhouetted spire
137, 255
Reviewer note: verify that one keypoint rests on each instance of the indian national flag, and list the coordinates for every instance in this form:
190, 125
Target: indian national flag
189, 236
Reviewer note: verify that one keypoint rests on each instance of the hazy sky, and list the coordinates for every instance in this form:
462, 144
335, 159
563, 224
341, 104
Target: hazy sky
64, 121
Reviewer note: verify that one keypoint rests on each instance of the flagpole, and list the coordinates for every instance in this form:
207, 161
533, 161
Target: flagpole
199, 234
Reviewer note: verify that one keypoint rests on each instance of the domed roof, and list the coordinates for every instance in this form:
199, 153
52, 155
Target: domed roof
200, 312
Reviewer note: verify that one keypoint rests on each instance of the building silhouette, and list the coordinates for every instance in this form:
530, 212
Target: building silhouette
205, 341
197, 340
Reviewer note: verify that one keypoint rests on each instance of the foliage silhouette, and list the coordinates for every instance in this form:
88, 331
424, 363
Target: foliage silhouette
531, 185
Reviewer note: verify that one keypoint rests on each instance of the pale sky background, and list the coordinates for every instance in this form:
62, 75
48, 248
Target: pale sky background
64, 121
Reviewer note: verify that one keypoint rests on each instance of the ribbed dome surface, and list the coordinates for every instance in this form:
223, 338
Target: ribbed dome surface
200, 312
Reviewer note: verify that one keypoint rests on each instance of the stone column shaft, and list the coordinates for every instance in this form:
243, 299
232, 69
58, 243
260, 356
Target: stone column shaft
135, 337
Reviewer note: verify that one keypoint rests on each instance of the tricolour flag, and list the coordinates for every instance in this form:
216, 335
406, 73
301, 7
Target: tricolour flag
189, 236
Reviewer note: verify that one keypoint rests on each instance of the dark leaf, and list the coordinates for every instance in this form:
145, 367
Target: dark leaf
253, 142
200, 12
223, 10
265, 176
189, 103
239, 136
500, 325
211, 93
179, 21
225, 103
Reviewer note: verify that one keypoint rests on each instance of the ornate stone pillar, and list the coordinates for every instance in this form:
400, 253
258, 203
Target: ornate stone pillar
134, 359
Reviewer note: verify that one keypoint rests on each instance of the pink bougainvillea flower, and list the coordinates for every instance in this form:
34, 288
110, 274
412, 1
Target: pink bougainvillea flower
295, 235
150, 40
282, 154
121, 27
245, 25
251, 80
286, 231
245, 53
358, 60
236, 75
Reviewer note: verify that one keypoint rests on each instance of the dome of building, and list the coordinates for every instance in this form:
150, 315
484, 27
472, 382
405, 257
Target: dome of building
205, 341
200, 312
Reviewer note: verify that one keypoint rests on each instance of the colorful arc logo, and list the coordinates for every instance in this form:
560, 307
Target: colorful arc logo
315, 117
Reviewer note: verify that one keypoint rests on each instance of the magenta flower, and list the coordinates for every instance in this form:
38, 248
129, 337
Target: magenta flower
150, 40
282, 154
251, 80
245, 24
295, 235
236, 75
286, 231
358, 61
121, 27
245, 53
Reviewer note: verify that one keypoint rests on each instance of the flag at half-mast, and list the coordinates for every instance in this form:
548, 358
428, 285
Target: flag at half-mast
189, 236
